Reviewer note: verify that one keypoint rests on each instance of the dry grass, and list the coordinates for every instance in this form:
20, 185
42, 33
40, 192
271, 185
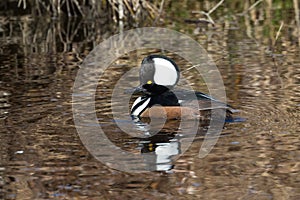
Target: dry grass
116, 9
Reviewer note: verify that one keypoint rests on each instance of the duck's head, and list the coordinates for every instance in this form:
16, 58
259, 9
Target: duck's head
159, 70
157, 74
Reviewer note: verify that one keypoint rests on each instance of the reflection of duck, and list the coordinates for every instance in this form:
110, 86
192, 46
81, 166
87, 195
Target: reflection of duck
159, 150
162, 146
158, 76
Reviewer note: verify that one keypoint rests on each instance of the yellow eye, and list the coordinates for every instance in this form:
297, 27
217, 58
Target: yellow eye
149, 82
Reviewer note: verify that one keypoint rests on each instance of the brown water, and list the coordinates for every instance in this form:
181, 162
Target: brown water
42, 156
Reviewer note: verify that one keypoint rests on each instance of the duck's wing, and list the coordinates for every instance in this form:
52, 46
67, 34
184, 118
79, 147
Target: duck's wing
204, 101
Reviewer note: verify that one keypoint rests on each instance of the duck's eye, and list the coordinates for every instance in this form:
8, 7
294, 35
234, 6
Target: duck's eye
149, 82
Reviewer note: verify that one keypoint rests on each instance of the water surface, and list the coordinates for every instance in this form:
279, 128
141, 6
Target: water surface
42, 156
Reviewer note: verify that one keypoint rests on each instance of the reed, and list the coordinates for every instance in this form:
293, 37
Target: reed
116, 9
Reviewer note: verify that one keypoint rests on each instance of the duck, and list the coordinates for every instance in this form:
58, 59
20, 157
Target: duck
158, 77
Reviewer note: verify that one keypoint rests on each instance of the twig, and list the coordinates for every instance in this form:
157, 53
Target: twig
129, 7
251, 7
216, 6
68, 8
296, 8
207, 14
160, 11
189, 68
278, 33
24, 3
78, 7
120, 10
256, 3
273, 55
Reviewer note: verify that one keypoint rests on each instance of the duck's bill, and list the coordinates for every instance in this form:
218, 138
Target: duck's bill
135, 90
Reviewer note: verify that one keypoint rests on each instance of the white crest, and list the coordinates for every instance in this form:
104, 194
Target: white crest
165, 72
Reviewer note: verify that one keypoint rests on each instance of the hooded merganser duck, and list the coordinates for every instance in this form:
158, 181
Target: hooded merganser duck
158, 76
